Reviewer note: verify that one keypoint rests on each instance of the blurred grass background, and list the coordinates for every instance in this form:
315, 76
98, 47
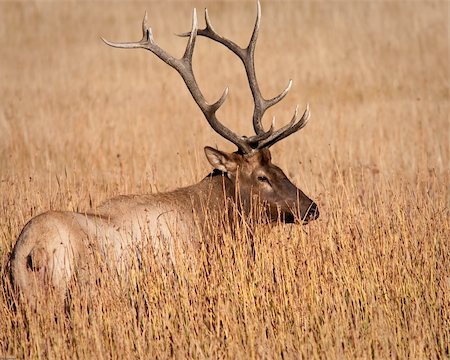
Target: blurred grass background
81, 122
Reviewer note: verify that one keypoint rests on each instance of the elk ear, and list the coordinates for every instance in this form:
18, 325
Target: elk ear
221, 160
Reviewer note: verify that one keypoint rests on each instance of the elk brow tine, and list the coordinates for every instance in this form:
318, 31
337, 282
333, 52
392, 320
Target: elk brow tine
293, 126
274, 136
255, 139
296, 123
301, 123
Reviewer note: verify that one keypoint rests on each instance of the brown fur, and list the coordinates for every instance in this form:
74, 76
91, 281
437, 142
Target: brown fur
55, 246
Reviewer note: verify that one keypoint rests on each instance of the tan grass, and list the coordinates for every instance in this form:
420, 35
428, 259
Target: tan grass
81, 122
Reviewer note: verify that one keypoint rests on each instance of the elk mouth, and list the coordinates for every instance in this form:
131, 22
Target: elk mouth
292, 219
312, 213
289, 218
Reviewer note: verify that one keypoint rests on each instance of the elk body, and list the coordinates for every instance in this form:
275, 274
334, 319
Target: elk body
55, 246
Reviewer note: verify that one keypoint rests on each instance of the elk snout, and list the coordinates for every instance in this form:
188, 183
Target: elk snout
313, 212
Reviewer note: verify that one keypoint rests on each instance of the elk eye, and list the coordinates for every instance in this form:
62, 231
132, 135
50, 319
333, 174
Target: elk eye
263, 179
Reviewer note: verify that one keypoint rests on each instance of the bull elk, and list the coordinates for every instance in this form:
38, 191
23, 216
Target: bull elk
55, 246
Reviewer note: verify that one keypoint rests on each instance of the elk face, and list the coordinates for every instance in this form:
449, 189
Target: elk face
260, 181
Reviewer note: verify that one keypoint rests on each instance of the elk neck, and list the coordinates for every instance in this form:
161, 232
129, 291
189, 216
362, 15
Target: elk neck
211, 199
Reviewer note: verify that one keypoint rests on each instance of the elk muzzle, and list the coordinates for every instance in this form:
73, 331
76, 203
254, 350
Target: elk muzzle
300, 209
312, 213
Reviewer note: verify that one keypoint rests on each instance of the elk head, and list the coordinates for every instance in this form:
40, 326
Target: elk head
259, 182
250, 167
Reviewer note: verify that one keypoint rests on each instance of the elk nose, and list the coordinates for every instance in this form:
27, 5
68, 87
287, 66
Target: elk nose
313, 212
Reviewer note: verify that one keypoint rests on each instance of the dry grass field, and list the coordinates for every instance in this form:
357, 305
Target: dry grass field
81, 122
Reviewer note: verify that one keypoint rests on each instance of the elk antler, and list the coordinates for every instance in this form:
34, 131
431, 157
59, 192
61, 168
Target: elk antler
184, 67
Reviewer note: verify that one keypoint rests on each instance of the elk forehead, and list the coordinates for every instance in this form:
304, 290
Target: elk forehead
259, 164
256, 159
262, 156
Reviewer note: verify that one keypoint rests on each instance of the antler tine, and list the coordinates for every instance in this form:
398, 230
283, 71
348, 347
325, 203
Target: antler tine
147, 42
252, 44
146, 30
193, 35
207, 21
147, 36
281, 96
184, 68
218, 103
293, 126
